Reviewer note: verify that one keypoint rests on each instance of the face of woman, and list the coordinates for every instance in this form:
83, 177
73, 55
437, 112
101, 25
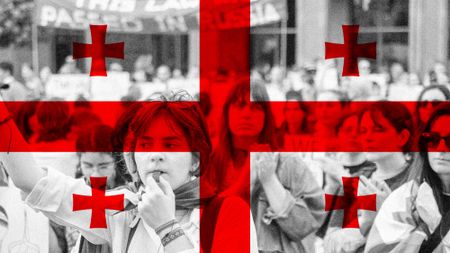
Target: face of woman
429, 101
348, 133
379, 137
293, 112
246, 119
159, 151
439, 155
328, 108
95, 164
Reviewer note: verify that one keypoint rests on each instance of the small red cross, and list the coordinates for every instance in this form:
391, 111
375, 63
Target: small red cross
350, 50
98, 50
351, 202
98, 202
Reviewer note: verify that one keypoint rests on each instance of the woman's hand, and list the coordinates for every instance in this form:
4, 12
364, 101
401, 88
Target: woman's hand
158, 203
265, 164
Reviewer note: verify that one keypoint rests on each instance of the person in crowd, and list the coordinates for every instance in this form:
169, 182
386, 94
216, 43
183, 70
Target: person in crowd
294, 133
14, 90
414, 218
164, 214
115, 67
52, 120
19, 223
332, 103
429, 99
382, 126
45, 75
95, 164
397, 77
69, 66
437, 75
32, 82
351, 163
277, 86
143, 69
286, 202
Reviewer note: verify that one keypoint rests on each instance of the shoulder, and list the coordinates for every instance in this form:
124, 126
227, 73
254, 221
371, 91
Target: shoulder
400, 198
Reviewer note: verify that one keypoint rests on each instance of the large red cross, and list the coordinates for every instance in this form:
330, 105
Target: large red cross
350, 50
218, 49
98, 50
98, 202
351, 202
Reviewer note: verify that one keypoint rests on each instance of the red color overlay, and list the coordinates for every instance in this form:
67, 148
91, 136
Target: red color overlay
98, 202
351, 202
350, 50
98, 50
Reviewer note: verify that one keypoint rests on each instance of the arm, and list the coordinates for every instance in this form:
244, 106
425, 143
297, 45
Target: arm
21, 166
295, 198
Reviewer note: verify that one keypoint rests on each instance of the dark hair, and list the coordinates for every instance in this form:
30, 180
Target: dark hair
225, 151
187, 115
7, 66
23, 116
396, 113
441, 88
422, 169
95, 139
343, 118
298, 97
54, 121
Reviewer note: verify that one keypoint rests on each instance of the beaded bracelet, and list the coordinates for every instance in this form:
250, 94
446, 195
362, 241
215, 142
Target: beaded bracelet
165, 225
172, 235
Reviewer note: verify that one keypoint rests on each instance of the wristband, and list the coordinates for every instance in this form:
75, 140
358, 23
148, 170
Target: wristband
172, 236
165, 225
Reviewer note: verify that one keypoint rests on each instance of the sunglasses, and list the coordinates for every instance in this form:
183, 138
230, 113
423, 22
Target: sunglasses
433, 103
433, 140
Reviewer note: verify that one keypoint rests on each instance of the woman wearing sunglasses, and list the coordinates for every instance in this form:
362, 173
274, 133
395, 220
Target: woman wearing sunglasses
429, 99
415, 217
167, 142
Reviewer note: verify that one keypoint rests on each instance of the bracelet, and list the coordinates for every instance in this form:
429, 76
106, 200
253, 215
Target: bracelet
165, 225
172, 236
4, 121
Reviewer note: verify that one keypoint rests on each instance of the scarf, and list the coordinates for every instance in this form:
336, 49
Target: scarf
187, 196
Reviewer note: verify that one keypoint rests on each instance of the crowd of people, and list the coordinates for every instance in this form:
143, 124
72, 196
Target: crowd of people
398, 150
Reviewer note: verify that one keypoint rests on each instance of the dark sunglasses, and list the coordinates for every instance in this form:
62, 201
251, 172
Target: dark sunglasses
433, 140
433, 103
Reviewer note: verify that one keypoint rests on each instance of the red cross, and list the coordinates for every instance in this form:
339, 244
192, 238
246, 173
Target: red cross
350, 50
98, 50
351, 202
98, 202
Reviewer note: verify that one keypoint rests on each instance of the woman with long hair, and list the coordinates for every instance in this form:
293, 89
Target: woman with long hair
166, 145
286, 202
382, 126
429, 99
415, 216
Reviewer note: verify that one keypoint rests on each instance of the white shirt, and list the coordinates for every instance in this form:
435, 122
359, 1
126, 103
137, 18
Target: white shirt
52, 195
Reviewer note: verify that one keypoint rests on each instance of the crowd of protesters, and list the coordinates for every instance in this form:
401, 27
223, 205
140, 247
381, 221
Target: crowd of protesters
399, 151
